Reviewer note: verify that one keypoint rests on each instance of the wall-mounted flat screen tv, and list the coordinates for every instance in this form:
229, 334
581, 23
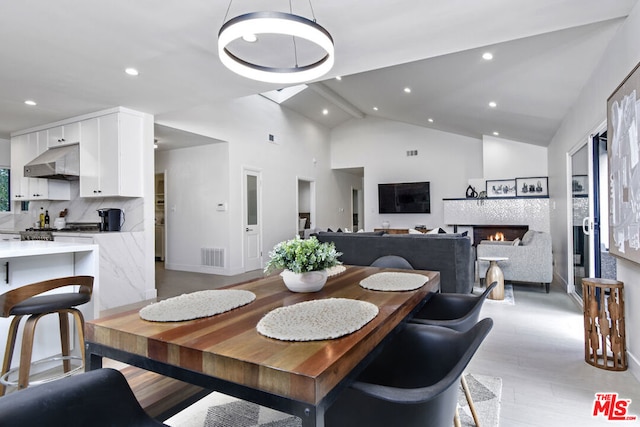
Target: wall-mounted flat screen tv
406, 197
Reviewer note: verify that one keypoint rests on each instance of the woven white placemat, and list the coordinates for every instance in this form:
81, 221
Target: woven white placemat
317, 320
393, 281
335, 270
196, 305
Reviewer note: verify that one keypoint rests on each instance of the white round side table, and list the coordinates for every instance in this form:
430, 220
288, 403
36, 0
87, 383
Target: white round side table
494, 274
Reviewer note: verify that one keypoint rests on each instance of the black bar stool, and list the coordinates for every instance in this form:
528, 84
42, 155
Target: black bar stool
28, 301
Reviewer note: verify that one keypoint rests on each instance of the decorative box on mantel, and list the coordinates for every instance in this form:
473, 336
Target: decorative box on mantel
531, 211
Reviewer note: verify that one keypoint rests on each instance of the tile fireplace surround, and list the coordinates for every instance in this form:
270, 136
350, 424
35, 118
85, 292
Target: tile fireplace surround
532, 212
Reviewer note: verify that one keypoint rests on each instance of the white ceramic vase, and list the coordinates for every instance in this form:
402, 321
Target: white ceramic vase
311, 281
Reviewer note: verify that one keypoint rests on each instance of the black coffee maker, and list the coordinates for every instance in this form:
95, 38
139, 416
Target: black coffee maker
110, 219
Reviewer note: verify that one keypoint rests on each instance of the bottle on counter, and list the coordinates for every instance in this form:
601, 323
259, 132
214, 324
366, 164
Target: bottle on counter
41, 217
46, 219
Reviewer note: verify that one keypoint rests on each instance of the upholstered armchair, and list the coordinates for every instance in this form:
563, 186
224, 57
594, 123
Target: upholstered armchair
530, 260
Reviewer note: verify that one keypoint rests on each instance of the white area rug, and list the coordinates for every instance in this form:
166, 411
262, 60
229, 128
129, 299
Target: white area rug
219, 410
486, 393
317, 320
509, 299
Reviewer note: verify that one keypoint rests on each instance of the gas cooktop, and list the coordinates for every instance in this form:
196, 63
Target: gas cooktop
90, 227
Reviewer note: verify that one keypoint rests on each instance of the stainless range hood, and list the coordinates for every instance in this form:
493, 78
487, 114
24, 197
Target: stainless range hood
56, 163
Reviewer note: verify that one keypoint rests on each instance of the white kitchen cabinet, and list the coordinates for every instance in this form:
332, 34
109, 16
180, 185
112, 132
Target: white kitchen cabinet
111, 156
63, 135
19, 157
25, 148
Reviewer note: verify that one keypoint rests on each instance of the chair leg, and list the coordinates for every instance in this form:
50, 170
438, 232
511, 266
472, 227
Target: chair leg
64, 339
8, 353
467, 393
79, 318
26, 351
456, 418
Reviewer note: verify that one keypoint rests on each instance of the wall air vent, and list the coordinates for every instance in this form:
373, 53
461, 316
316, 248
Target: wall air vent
212, 257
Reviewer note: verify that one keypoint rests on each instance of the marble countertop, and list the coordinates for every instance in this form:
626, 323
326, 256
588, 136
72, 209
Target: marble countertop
68, 233
14, 249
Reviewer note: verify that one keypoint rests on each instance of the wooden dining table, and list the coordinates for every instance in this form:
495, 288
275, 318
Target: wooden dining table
225, 352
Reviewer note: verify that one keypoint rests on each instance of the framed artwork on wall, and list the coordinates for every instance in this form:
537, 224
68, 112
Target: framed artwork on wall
579, 185
624, 167
501, 188
536, 186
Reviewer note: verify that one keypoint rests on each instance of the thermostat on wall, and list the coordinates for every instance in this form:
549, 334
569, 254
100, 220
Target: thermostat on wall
221, 207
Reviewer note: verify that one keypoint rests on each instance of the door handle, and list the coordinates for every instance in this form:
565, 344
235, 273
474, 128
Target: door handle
585, 226
249, 229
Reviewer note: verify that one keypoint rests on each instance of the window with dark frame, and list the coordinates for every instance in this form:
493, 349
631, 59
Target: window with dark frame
5, 181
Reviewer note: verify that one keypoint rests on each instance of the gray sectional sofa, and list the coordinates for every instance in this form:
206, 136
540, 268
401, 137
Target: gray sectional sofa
450, 254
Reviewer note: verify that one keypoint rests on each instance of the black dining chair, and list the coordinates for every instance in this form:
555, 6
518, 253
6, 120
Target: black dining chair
412, 382
392, 261
99, 398
459, 312
455, 311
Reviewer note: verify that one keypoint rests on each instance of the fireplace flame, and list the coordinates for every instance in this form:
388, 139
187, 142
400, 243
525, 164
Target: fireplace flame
498, 237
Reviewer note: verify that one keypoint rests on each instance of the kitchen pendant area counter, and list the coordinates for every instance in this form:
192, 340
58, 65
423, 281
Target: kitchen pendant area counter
16, 249
121, 265
26, 262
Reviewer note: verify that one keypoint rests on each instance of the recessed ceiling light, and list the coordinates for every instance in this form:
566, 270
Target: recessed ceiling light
430, 120
496, 133
375, 108
131, 71
30, 102
325, 111
338, 77
493, 104
407, 90
487, 56
250, 38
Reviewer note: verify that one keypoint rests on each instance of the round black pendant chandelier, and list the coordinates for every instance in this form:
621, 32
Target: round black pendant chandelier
278, 23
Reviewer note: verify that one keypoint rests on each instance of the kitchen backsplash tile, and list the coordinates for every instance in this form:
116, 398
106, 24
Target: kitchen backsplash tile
82, 210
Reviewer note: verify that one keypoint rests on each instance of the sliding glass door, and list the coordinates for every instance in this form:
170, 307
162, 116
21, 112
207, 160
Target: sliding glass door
579, 204
589, 204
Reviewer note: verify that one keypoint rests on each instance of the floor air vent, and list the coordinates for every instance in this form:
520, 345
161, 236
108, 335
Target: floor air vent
212, 257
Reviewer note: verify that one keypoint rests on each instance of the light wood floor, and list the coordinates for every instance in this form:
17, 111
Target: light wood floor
536, 347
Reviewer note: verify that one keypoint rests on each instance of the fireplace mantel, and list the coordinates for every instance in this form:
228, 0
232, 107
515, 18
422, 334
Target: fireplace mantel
531, 211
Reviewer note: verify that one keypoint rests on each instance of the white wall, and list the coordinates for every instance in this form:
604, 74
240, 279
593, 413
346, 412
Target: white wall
5, 153
304, 196
196, 180
508, 159
584, 118
446, 160
301, 150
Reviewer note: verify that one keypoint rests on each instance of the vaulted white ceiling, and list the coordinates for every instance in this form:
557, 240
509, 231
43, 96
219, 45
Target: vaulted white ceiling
69, 56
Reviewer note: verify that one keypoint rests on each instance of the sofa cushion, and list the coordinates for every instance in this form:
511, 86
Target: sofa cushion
528, 237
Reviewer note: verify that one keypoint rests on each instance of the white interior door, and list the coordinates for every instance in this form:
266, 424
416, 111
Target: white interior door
252, 220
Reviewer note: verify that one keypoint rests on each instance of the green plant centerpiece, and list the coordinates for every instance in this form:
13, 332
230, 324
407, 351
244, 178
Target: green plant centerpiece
305, 263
